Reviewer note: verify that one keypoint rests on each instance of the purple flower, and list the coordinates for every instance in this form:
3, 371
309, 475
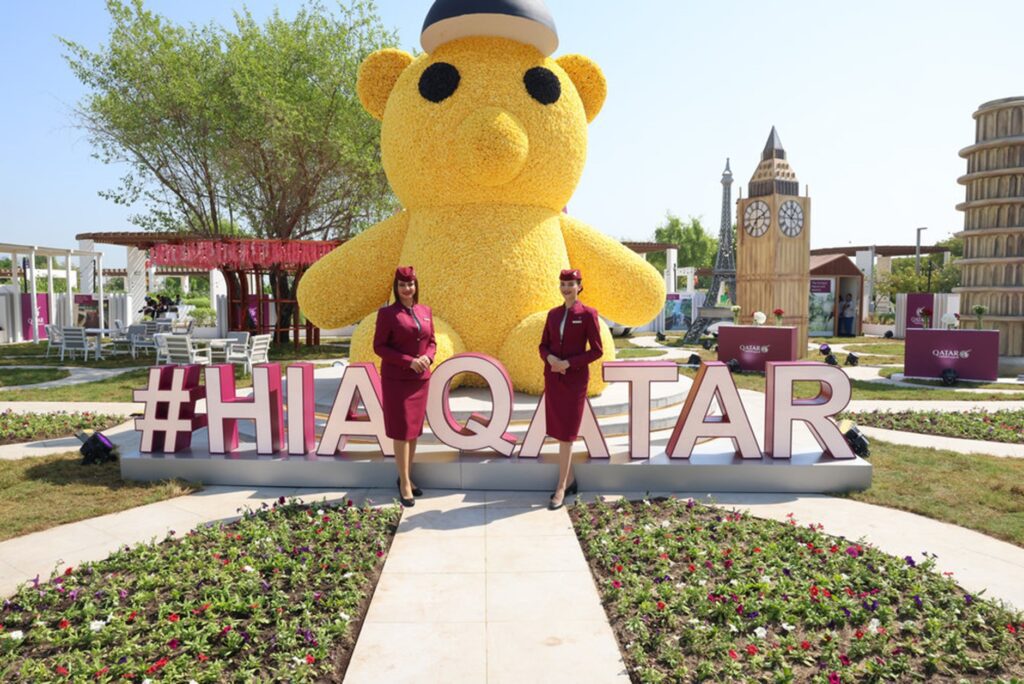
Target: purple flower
968, 599
918, 601
910, 561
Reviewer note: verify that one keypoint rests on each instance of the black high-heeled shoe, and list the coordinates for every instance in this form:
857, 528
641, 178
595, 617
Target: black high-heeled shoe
571, 489
416, 491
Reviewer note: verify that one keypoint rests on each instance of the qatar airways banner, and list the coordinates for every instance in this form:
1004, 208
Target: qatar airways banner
171, 418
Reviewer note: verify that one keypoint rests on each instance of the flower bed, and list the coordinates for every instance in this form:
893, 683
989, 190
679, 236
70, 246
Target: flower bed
699, 593
277, 596
997, 426
28, 427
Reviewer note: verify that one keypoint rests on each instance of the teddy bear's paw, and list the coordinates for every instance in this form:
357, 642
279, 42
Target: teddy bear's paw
521, 357
449, 343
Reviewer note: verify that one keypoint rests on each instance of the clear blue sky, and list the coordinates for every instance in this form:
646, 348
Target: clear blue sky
872, 101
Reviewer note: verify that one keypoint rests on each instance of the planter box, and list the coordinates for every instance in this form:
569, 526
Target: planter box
753, 345
973, 354
878, 329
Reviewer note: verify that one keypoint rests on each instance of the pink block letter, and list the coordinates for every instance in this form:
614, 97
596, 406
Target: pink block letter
782, 409
359, 382
713, 381
640, 375
479, 432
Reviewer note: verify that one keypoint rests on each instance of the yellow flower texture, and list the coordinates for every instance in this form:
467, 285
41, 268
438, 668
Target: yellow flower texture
483, 142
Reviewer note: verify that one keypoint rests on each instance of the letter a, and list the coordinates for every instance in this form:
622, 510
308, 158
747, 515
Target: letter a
359, 382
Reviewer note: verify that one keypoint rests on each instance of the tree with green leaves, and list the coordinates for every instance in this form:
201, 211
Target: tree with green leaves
253, 130
696, 247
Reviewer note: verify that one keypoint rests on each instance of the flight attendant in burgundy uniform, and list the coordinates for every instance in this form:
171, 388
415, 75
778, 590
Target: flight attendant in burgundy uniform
404, 341
564, 347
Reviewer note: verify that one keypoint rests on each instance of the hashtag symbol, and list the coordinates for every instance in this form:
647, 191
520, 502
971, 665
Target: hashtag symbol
170, 416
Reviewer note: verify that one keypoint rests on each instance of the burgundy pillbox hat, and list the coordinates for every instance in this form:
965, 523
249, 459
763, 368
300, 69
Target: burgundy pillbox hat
405, 273
570, 274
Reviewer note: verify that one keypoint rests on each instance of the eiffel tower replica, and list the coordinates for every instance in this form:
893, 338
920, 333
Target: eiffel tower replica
724, 273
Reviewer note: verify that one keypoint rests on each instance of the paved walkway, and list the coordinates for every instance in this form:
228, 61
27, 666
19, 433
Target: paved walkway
78, 375
961, 446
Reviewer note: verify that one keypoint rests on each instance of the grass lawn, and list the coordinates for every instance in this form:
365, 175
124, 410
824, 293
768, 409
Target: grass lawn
699, 593
983, 493
288, 352
963, 384
29, 427
12, 377
278, 596
883, 348
637, 353
623, 343
864, 389
42, 492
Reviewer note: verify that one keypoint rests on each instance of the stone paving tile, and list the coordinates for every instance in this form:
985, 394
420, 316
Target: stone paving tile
459, 522
429, 598
546, 553
436, 553
539, 596
520, 522
553, 652
415, 653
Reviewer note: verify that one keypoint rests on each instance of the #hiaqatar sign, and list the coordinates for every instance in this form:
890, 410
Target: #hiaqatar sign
171, 418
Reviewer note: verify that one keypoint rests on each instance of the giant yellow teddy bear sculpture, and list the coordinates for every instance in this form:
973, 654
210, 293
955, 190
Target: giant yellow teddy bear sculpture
483, 142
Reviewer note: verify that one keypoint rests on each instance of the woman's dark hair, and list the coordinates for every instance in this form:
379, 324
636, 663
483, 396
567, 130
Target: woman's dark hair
415, 295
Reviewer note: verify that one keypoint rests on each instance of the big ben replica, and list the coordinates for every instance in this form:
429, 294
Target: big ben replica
773, 243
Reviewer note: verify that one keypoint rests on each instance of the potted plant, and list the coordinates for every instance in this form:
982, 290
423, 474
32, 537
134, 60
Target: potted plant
979, 311
778, 316
735, 308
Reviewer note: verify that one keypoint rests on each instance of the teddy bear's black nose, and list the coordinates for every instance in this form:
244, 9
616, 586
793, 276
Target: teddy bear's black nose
438, 81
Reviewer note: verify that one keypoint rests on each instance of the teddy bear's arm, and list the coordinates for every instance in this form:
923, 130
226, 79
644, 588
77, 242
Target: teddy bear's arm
616, 281
355, 279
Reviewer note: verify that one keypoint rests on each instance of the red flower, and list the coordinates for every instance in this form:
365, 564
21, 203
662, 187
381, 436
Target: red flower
844, 659
617, 584
805, 644
67, 570
62, 670
225, 630
310, 659
201, 609
157, 665
661, 605
778, 312
814, 591
757, 549
733, 654
691, 567
64, 624
618, 568
203, 657
833, 678
131, 618
728, 563
1011, 629
379, 553
100, 673
173, 617
751, 649
859, 634
663, 556
173, 644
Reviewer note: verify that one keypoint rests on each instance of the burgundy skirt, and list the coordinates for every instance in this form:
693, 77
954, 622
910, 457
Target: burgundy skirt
563, 405
405, 405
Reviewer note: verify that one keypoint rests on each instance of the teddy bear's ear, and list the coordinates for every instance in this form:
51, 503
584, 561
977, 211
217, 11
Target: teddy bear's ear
377, 76
589, 82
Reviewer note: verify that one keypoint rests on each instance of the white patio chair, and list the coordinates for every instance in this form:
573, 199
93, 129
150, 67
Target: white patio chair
74, 340
54, 338
140, 337
239, 340
180, 351
257, 351
162, 353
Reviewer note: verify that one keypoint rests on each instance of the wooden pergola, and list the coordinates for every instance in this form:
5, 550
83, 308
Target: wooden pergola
245, 264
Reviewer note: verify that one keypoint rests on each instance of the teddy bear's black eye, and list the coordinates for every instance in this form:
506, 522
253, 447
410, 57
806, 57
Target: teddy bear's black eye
542, 85
439, 81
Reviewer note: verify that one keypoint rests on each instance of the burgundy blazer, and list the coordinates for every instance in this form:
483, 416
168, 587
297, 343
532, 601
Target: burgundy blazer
581, 327
397, 341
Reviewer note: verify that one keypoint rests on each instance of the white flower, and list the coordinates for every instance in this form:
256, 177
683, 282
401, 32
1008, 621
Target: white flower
97, 625
732, 628
761, 632
874, 624
788, 627
16, 635
759, 318
950, 320
344, 616
320, 511
248, 568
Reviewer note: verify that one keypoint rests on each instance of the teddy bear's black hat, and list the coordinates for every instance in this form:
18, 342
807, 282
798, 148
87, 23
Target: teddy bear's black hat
525, 21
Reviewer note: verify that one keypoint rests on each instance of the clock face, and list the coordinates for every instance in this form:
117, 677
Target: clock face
791, 218
757, 218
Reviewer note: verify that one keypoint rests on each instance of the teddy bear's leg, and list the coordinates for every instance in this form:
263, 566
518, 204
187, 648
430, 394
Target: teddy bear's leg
521, 357
448, 341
